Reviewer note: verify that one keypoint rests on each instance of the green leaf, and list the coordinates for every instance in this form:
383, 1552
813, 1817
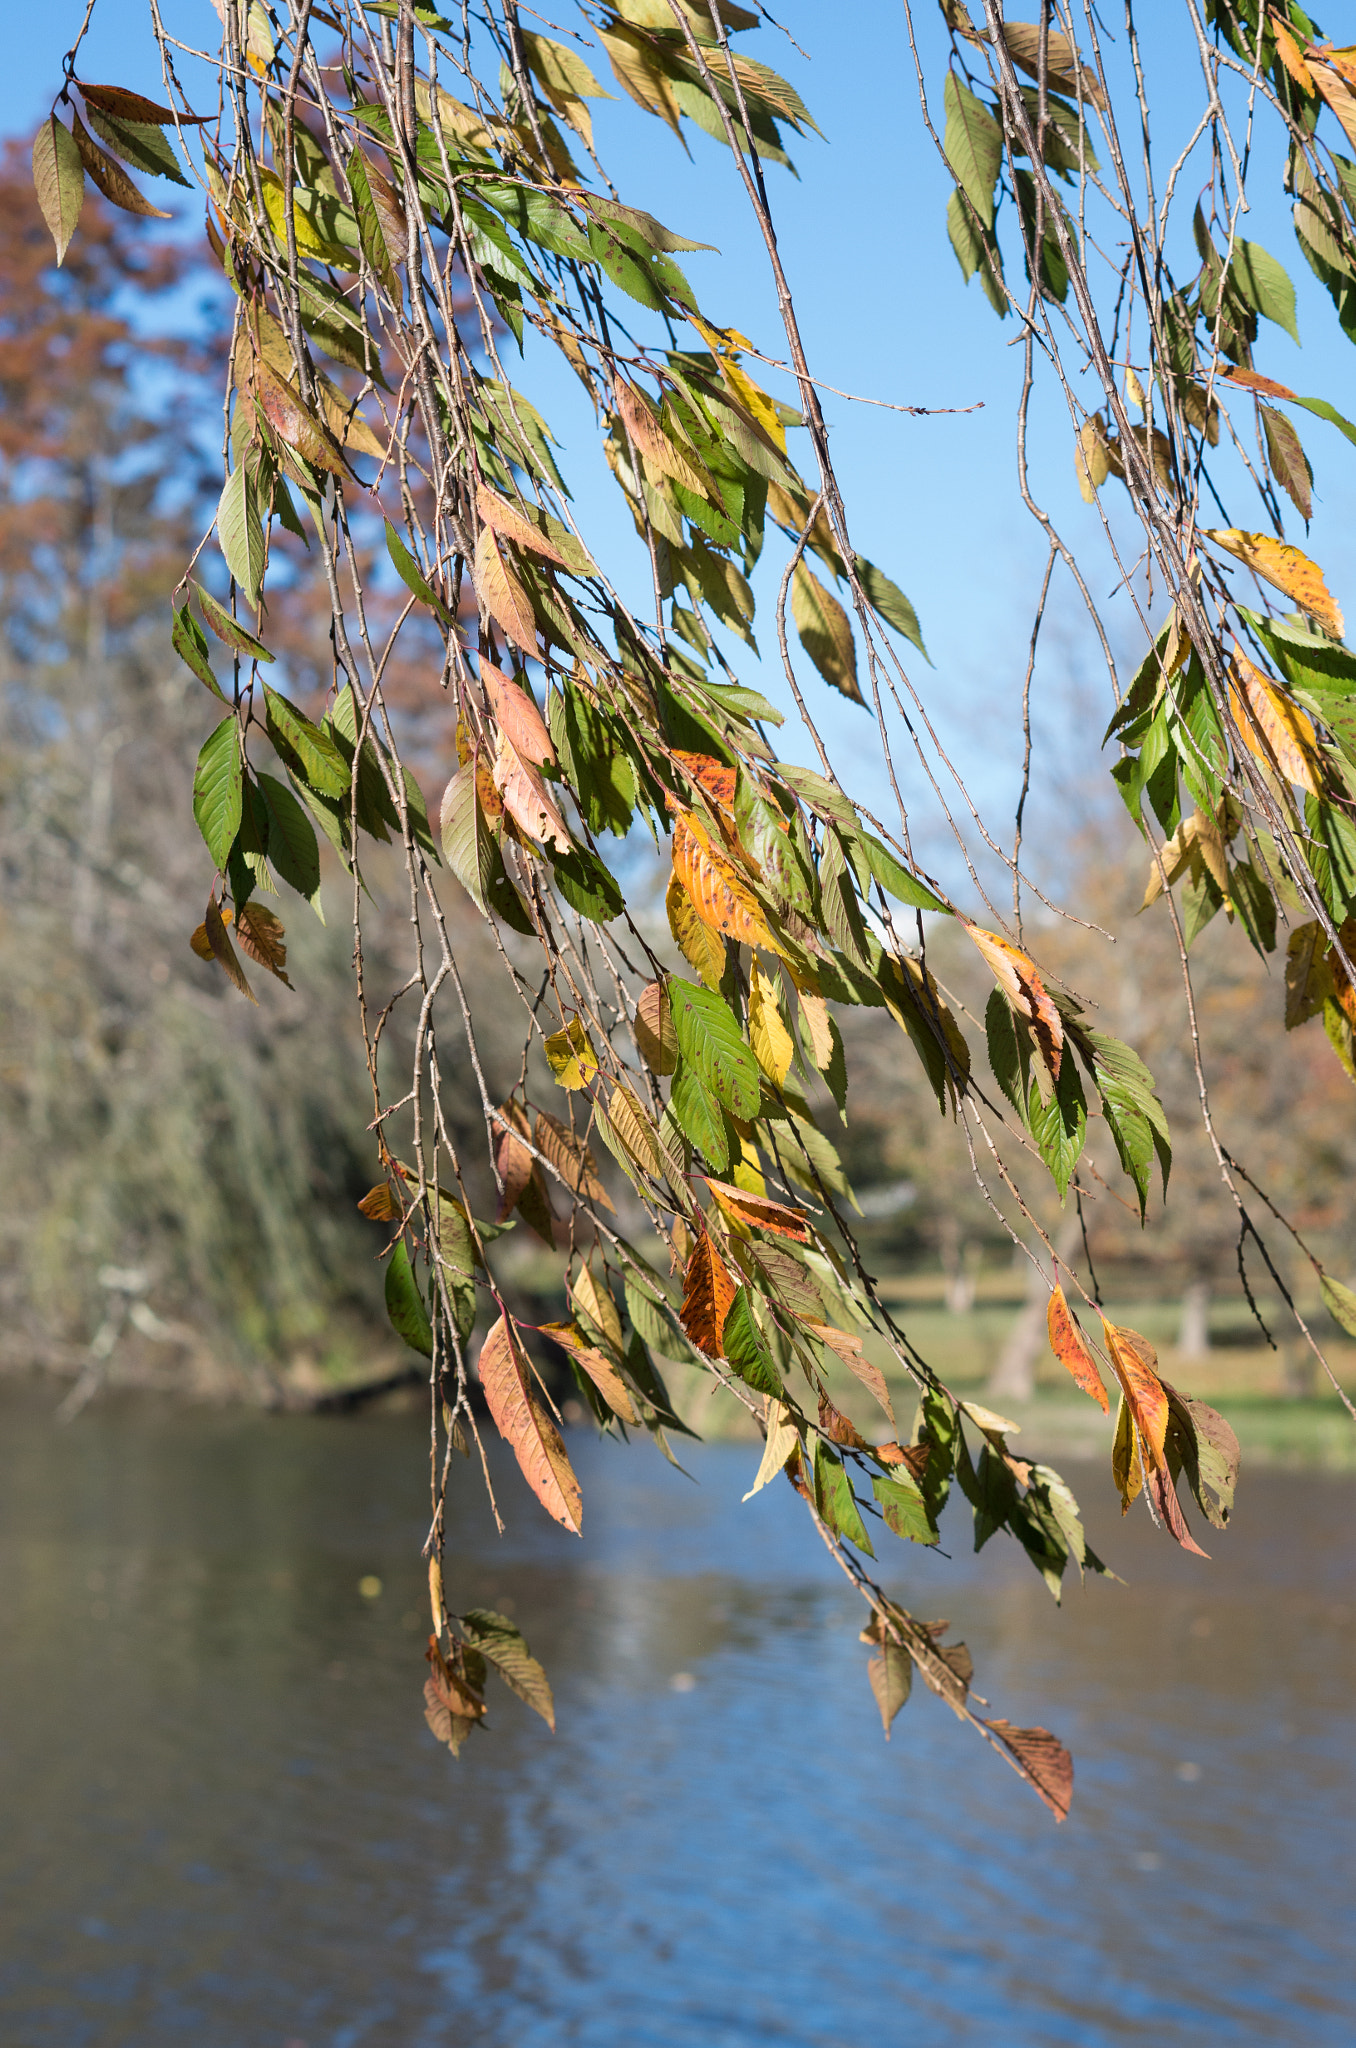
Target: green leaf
889, 600
142, 143
292, 846
973, 142
496, 1638
825, 633
59, 179
218, 790
698, 1116
405, 1304
653, 1327
1059, 1125
904, 1509
240, 532
890, 1672
1340, 1303
586, 885
901, 883
1266, 287
746, 1351
1009, 1054
304, 747
412, 577
229, 630
710, 1041
190, 644
976, 250
370, 232
834, 1498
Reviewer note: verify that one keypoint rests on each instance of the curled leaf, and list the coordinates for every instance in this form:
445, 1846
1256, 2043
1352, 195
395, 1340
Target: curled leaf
1287, 568
1015, 972
1066, 1341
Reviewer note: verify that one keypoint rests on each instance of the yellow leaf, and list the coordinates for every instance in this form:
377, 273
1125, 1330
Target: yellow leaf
1285, 567
1274, 727
780, 1442
825, 632
696, 941
1090, 458
1288, 50
723, 342
599, 1368
570, 1055
502, 595
1335, 90
715, 888
527, 1428
634, 65
633, 1131
1308, 974
1023, 39
772, 1043
1197, 841
814, 1012
311, 240
596, 1302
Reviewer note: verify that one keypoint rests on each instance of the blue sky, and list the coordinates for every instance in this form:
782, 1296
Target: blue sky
884, 312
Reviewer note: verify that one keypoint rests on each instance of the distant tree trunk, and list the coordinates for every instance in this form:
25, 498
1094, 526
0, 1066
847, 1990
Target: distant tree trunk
1193, 1336
1014, 1376
959, 1262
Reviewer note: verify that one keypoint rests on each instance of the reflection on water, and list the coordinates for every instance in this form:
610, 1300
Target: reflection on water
226, 1824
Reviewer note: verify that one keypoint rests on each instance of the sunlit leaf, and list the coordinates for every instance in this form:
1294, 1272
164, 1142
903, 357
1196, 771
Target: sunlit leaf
527, 1428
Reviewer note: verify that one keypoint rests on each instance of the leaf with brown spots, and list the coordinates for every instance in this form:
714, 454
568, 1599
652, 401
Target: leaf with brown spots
1274, 727
526, 799
527, 1428
1285, 567
715, 888
709, 1288
656, 1039
838, 1427
379, 1204
712, 777
1066, 1341
1015, 972
650, 441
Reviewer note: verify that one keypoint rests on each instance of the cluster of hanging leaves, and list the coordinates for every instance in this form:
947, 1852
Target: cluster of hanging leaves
359, 188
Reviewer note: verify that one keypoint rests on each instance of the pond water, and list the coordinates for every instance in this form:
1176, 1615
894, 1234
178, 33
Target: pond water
225, 1823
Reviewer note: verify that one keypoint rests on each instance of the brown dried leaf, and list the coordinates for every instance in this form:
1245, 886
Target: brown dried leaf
1287, 460
656, 1039
1253, 380
294, 423
1066, 1341
1015, 972
502, 595
837, 1427
1023, 39
536, 1442
215, 926
709, 1288
1044, 1762
513, 1162
1336, 91
261, 936
1287, 568
633, 1130
516, 715
572, 1159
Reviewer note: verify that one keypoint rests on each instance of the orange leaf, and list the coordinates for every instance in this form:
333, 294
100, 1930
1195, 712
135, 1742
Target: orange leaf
711, 776
849, 1349
1253, 380
708, 1290
1274, 728
1015, 973
511, 524
1288, 50
717, 891
379, 1205
1066, 1341
524, 1425
1331, 79
598, 1366
502, 594
759, 1212
526, 799
1135, 1363
513, 1162
695, 940
516, 715
838, 1428
215, 926
1285, 567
